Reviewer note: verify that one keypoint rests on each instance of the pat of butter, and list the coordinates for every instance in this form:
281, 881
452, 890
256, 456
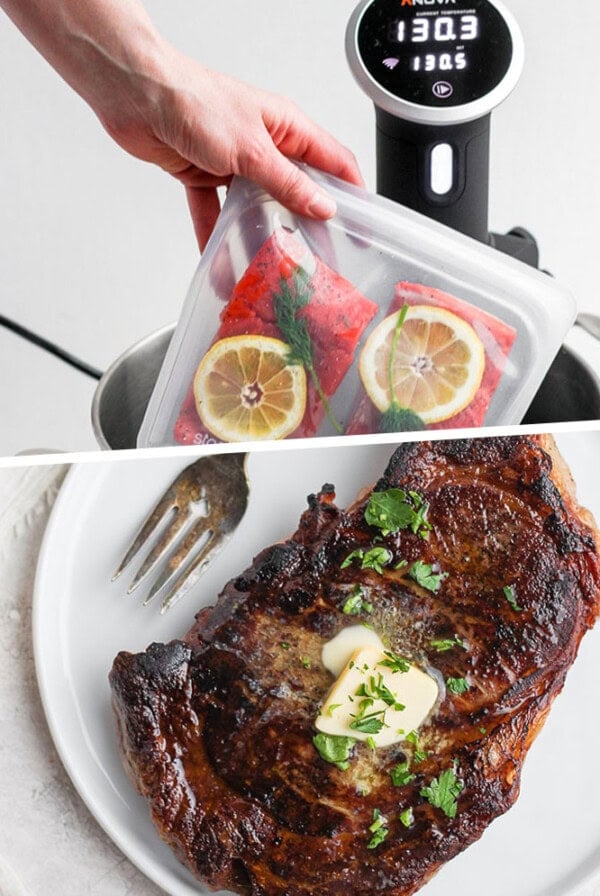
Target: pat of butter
338, 652
414, 690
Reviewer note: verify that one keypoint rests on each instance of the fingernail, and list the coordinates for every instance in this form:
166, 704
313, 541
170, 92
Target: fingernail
322, 205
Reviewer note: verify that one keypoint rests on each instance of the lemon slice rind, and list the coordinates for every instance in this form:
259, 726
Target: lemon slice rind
234, 404
412, 384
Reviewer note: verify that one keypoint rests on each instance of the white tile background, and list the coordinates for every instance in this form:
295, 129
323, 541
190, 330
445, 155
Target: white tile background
96, 249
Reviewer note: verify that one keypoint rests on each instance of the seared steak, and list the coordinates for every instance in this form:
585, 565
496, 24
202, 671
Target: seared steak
216, 730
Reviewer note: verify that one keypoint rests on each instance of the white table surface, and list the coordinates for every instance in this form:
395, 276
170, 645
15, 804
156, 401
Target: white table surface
49, 843
96, 249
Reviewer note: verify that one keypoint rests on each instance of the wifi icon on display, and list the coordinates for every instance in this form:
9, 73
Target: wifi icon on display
391, 63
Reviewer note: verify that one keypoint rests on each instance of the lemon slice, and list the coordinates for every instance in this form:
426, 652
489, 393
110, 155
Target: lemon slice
437, 368
245, 390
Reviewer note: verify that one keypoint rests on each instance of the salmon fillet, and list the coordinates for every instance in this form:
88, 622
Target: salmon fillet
497, 338
336, 317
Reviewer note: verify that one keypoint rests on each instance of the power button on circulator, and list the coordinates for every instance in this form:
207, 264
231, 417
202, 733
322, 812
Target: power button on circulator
443, 90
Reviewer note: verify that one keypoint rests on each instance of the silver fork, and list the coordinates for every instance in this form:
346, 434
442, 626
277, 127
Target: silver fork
197, 516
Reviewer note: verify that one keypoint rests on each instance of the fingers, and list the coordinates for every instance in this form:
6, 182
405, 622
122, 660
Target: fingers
204, 207
298, 137
286, 183
323, 151
260, 137
328, 155
194, 177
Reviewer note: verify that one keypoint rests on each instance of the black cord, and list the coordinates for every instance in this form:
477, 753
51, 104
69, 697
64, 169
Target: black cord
50, 347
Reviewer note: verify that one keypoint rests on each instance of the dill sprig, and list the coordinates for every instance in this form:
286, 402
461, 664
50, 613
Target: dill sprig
295, 294
396, 418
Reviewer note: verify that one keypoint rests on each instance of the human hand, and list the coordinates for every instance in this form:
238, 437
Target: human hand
200, 126
203, 127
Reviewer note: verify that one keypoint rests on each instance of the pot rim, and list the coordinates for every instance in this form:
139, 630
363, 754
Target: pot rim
155, 335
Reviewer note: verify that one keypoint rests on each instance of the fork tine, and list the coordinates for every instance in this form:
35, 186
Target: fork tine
200, 542
206, 504
172, 534
188, 577
147, 529
186, 487
192, 540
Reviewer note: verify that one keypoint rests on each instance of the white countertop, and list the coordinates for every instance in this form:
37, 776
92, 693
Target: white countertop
51, 845
96, 249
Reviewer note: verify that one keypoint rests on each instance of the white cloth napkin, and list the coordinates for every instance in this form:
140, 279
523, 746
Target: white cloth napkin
49, 843
25, 493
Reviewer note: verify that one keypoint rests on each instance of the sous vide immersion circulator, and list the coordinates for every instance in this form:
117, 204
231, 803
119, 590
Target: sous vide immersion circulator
435, 70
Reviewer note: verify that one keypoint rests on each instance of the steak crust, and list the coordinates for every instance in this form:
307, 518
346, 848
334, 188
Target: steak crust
216, 730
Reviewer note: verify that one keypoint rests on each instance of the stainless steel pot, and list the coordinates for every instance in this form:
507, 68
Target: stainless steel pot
570, 392
123, 393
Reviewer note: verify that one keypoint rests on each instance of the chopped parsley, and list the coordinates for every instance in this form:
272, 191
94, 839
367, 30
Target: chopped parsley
285, 646
359, 554
369, 724
407, 817
306, 662
394, 662
379, 830
333, 708
335, 749
448, 644
371, 743
375, 689
423, 574
375, 559
356, 603
422, 508
418, 754
457, 685
443, 793
401, 775
363, 706
510, 595
396, 509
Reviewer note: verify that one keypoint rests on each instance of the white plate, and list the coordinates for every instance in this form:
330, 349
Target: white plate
548, 845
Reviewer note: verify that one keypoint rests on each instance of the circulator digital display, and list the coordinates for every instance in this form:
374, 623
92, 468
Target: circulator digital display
435, 52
